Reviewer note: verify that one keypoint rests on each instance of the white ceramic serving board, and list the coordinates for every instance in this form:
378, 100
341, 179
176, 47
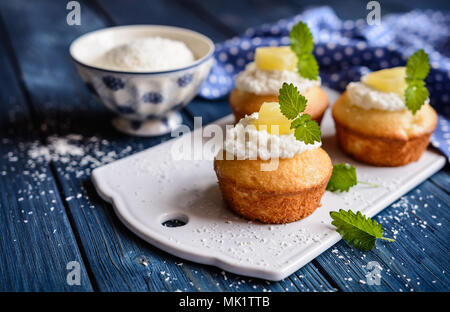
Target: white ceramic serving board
150, 187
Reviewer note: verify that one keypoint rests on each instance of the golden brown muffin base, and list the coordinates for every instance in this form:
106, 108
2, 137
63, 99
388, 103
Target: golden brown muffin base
383, 149
279, 196
244, 103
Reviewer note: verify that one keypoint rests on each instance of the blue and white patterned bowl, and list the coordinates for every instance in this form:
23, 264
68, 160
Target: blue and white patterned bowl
146, 103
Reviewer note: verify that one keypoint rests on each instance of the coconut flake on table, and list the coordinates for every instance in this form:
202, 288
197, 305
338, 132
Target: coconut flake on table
146, 55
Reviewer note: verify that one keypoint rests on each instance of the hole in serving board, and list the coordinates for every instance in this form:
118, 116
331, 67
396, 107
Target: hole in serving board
174, 220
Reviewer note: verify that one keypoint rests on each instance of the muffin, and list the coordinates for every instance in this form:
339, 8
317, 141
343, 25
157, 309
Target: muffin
271, 177
374, 124
261, 79
290, 193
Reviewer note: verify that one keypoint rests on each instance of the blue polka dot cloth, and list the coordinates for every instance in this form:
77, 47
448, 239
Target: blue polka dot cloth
348, 49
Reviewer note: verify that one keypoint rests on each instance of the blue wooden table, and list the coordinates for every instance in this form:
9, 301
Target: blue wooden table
53, 133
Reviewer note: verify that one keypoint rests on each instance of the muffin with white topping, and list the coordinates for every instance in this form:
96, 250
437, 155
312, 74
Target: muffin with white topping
386, 119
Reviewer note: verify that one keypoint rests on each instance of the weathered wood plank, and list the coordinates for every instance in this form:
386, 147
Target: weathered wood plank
161, 12
37, 241
442, 179
118, 260
340, 261
63, 106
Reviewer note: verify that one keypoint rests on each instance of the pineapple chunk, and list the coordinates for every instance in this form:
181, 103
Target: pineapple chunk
270, 115
275, 58
387, 80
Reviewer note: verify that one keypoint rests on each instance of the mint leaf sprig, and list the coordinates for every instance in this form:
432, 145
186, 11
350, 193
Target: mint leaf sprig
302, 44
417, 69
343, 178
357, 229
292, 104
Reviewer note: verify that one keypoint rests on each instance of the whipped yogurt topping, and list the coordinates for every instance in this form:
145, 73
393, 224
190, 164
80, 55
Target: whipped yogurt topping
244, 141
263, 82
367, 97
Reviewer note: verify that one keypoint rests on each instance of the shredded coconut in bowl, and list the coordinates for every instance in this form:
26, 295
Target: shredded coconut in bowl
147, 55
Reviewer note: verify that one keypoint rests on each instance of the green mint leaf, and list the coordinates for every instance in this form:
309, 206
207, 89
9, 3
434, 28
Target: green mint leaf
300, 121
302, 44
307, 66
418, 66
417, 69
357, 229
301, 39
342, 178
292, 103
415, 95
308, 131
